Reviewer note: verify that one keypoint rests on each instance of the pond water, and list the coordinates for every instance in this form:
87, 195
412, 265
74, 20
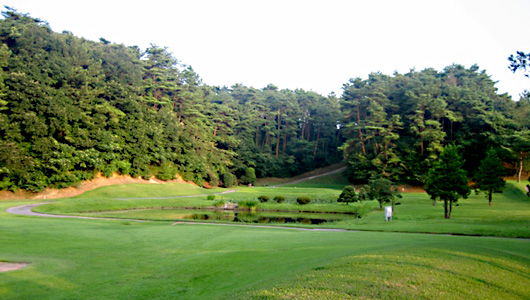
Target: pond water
268, 217
233, 216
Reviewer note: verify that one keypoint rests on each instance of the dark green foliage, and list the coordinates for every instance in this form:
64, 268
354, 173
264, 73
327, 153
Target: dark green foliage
210, 197
249, 177
303, 200
71, 107
382, 190
447, 179
520, 62
489, 176
395, 126
263, 198
279, 199
229, 180
348, 195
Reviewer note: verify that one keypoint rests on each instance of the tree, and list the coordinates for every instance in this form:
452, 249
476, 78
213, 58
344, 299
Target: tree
489, 175
520, 62
447, 179
382, 190
348, 195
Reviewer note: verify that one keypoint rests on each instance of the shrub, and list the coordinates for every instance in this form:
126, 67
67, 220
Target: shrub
303, 200
263, 198
249, 176
166, 172
210, 197
219, 203
279, 199
248, 203
348, 195
229, 180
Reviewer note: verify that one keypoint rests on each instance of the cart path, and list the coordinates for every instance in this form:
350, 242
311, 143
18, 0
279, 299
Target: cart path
311, 177
26, 210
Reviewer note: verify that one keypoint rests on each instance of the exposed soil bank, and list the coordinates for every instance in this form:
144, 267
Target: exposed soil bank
88, 185
11, 266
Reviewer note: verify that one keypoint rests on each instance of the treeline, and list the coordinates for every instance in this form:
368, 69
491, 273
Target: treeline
396, 126
70, 108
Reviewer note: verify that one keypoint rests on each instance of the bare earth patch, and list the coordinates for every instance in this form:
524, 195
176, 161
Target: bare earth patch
88, 185
11, 266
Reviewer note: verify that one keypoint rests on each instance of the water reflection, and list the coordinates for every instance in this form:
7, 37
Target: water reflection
265, 217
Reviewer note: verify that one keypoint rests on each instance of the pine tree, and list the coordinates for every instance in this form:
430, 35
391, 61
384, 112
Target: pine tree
489, 175
447, 179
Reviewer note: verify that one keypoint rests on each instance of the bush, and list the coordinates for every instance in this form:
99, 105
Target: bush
210, 197
219, 203
248, 203
279, 199
348, 195
303, 200
229, 180
263, 198
249, 176
166, 172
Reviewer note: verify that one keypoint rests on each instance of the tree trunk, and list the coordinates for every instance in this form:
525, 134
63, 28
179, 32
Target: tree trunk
360, 131
257, 136
521, 159
446, 211
490, 196
284, 144
316, 144
279, 133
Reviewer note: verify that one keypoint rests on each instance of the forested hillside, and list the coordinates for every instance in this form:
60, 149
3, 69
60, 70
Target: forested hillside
397, 125
70, 108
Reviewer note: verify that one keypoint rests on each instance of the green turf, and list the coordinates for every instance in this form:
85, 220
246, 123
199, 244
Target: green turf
98, 259
120, 259
508, 217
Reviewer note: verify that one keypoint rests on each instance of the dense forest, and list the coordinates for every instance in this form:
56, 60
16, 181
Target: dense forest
71, 108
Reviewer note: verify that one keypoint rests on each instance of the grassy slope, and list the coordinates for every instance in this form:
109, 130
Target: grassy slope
509, 216
95, 259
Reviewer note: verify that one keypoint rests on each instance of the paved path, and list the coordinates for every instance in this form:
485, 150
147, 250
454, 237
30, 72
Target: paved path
311, 177
26, 210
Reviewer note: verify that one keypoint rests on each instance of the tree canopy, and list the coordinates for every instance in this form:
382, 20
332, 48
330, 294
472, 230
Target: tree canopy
447, 179
489, 177
71, 108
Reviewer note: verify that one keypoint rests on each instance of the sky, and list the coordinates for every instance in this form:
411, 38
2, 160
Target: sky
311, 45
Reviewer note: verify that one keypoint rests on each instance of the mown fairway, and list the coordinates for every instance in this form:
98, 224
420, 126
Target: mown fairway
95, 259
118, 259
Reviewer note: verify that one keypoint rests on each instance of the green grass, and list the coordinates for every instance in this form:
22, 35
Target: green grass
137, 190
508, 217
101, 259
121, 259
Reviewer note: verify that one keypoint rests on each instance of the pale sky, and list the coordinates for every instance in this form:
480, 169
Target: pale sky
313, 45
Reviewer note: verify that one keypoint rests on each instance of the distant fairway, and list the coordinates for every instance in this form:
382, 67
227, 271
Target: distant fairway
119, 259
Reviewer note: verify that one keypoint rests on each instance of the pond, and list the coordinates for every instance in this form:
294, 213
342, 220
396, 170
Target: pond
258, 216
